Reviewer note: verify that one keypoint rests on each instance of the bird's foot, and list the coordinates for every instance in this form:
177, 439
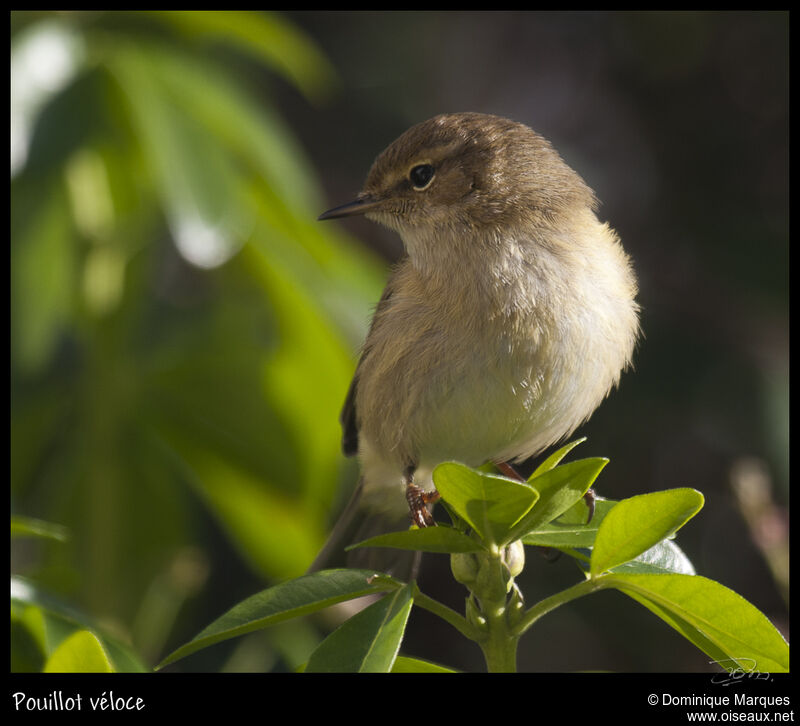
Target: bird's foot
420, 503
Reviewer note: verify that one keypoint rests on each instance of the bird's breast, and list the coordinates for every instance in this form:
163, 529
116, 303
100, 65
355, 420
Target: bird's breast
495, 365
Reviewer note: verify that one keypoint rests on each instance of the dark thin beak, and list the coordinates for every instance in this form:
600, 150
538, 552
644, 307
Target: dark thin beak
358, 206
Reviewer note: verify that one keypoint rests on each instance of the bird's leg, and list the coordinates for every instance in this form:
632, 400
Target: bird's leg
507, 470
419, 501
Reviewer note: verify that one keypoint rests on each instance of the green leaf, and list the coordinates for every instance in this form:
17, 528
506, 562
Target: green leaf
491, 504
29, 527
269, 38
559, 489
575, 537
291, 599
50, 622
571, 529
81, 652
638, 523
720, 622
369, 641
245, 504
43, 272
685, 628
663, 558
551, 461
404, 664
290, 380
201, 190
442, 539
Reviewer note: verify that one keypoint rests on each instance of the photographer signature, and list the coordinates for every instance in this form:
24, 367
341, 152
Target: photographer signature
737, 670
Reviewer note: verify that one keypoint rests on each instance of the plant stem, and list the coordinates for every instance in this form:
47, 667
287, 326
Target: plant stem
445, 613
500, 647
551, 603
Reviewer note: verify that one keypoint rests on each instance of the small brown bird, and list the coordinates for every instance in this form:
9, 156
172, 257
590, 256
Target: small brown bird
504, 328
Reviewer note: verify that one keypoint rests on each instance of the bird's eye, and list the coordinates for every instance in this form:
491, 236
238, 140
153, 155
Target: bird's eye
421, 176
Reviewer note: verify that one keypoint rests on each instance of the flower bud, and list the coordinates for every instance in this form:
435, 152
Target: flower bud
514, 557
464, 566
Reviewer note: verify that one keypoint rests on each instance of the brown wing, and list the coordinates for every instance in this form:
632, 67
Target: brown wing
348, 420
348, 417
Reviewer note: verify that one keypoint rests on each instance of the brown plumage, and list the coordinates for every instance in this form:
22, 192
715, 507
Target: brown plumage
509, 321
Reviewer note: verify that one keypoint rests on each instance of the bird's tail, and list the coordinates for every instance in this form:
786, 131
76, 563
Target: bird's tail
357, 523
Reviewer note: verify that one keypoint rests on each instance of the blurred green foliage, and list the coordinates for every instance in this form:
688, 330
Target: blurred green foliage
183, 331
